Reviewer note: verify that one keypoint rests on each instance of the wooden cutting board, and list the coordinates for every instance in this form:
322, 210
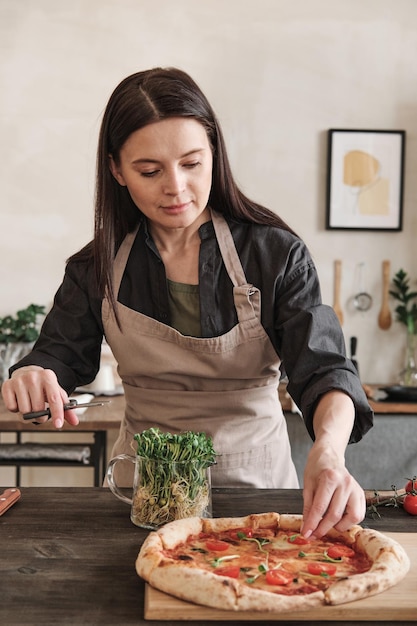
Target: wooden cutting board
398, 603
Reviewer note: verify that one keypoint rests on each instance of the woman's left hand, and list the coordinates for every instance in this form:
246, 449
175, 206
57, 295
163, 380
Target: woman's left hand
332, 497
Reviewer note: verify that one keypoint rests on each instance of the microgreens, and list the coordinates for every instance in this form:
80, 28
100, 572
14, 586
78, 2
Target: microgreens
319, 556
263, 569
260, 541
222, 559
173, 481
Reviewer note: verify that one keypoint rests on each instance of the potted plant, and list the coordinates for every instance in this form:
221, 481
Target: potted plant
17, 335
406, 313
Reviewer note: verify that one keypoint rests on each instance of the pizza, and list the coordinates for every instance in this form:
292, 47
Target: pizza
261, 562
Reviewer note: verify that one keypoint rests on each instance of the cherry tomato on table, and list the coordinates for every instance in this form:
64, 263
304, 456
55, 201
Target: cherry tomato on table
411, 486
410, 504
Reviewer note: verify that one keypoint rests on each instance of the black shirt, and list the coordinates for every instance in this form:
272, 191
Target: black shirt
305, 333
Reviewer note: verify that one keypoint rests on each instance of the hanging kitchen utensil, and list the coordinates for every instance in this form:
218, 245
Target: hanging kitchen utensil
362, 300
353, 347
337, 280
384, 317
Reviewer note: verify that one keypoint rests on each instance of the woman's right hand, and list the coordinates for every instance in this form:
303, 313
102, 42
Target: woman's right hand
30, 387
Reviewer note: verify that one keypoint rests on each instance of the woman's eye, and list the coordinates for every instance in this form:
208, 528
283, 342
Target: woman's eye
192, 165
149, 174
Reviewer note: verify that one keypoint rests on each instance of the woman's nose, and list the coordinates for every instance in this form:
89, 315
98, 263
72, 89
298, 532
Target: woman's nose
174, 182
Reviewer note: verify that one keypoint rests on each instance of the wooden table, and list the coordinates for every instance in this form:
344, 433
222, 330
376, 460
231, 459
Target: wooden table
67, 555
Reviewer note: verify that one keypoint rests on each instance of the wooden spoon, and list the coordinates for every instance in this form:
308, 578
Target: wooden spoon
384, 317
336, 302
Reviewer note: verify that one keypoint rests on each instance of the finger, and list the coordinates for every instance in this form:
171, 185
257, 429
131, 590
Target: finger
347, 506
56, 397
71, 417
9, 396
332, 515
316, 504
355, 511
25, 392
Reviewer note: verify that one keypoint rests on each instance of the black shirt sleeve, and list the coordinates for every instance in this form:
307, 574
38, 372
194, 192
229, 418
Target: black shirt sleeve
72, 333
310, 342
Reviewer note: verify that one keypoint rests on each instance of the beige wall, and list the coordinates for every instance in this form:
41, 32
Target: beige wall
279, 74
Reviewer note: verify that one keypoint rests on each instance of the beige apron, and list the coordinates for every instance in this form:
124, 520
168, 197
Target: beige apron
225, 386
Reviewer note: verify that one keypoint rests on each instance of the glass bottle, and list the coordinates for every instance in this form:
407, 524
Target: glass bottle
408, 376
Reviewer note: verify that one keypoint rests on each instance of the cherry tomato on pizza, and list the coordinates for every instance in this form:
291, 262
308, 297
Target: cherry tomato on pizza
231, 571
320, 568
216, 545
278, 577
240, 533
339, 550
298, 540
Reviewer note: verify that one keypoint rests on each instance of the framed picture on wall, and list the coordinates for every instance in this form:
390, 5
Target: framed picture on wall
365, 179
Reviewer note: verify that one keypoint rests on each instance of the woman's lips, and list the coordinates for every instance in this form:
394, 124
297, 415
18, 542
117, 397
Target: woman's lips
176, 208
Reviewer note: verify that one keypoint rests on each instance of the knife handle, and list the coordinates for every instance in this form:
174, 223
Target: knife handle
34, 414
8, 498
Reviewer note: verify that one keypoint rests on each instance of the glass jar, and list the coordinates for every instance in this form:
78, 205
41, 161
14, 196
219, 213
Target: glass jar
408, 376
164, 491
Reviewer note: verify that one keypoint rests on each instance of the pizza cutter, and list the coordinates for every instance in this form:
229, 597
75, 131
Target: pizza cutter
72, 404
8, 498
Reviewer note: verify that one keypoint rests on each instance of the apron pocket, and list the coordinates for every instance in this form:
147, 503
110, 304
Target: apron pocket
265, 467
252, 468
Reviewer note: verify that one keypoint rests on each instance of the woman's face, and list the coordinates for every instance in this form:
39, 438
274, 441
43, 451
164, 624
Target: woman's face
167, 168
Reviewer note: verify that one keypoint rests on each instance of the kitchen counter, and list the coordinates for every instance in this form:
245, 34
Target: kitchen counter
388, 406
91, 432
68, 555
385, 456
372, 391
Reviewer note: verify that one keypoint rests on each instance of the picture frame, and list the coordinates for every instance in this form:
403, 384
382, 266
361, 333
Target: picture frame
365, 179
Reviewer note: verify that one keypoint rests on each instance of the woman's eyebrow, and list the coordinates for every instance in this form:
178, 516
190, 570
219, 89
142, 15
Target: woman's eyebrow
149, 160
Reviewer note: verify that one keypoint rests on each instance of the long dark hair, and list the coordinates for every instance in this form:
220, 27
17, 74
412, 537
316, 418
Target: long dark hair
139, 100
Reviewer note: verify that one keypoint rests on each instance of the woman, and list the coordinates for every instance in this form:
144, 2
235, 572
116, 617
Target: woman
201, 294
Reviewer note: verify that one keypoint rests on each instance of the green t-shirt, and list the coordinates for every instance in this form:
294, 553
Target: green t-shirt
184, 305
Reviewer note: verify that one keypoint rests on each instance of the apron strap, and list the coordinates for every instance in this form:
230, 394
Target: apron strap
121, 258
228, 249
247, 298
119, 265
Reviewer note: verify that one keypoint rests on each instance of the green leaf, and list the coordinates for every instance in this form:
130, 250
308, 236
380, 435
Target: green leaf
23, 327
406, 311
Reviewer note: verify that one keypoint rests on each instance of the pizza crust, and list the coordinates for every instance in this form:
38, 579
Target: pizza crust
202, 587
256, 520
390, 565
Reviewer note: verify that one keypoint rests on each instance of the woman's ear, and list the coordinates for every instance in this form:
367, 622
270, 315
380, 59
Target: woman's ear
115, 170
